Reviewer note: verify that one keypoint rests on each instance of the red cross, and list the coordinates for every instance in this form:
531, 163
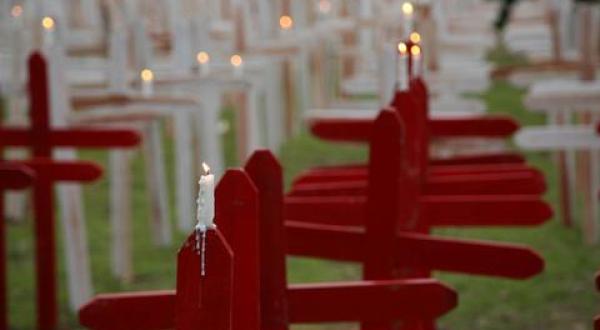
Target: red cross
392, 222
257, 296
41, 138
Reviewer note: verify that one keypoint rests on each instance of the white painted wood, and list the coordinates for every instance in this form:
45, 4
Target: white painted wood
79, 281
185, 181
207, 122
558, 137
157, 185
120, 215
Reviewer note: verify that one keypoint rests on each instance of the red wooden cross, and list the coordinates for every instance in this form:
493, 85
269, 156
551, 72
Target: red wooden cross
348, 198
259, 296
388, 223
42, 139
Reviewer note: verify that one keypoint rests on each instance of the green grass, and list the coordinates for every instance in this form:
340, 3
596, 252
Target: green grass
563, 297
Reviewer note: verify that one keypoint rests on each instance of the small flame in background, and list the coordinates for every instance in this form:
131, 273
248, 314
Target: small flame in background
147, 75
408, 8
415, 37
202, 57
48, 23
402, 48
286, 22
236, 60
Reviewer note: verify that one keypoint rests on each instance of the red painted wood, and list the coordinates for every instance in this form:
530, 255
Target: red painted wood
15, 176
267, 174
597, 318
41, 138
417, 251
489, 126
455, 184
373, 301
206, 302
89, 137
505, 157
436, 211
236, 200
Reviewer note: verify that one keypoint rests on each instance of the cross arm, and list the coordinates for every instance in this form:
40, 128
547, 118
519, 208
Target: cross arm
370, 301
152, 310
350, 130
77, 171
488, 126
437, 211
417, 250
73, 137
14, 176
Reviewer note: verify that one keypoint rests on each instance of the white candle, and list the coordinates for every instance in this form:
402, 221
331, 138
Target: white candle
238, 65
286, 24
49, 30
408, 11
147, 80
203, 60
205, 213
417, 61
402, 68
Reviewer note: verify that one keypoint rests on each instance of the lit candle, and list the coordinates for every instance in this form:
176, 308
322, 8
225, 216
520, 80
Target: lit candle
417, 62
205, 213
49, 26
238, 65
402, 68
203, 63
147, 77
286, 23
415, 38
408, 11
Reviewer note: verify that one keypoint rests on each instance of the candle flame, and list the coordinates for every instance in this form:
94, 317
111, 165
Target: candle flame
236, 60
206, 168
48, 23
415, 50
147, 75
286, 22
402, 48
415, 37
202, 57
324, 6
16, 11
408, 8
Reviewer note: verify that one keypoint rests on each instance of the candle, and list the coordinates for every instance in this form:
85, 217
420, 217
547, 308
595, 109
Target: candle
417, 61
408, 11
286, 23
415, 38
203, 63
147, 77
205, 213
238, 65
402, 68
49, 27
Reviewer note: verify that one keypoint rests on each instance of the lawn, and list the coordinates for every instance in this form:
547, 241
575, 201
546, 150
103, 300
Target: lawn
563, 297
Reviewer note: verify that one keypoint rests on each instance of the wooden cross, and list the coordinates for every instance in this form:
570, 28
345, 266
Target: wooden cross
11, 177
387, 224
42, 139
249, 227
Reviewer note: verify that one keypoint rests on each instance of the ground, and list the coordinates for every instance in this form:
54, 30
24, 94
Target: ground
563, 297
